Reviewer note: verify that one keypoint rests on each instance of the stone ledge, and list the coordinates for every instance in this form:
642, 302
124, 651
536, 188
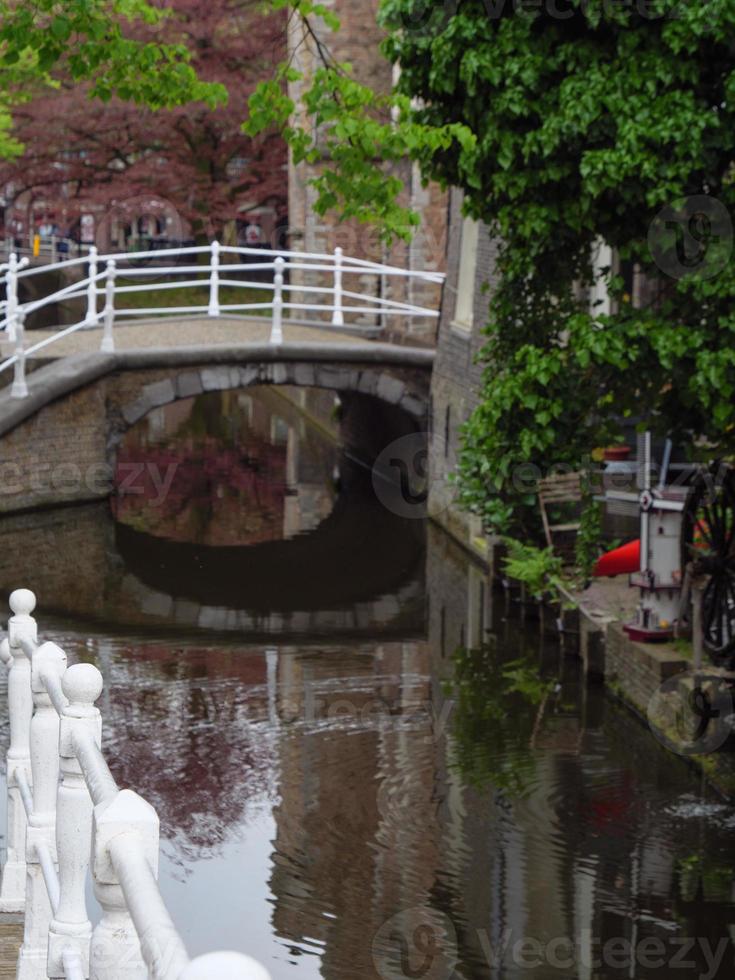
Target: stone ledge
59, 378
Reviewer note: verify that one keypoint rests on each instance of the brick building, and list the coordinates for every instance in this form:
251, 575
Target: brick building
471, 264
357, 42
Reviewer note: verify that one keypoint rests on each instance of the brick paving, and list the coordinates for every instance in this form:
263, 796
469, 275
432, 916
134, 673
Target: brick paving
180, 332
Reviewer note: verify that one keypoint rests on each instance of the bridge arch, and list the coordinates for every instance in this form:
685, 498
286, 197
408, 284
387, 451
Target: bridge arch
383, 383
59, 444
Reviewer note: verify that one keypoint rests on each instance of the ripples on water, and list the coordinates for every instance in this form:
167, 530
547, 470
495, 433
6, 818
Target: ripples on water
347, 790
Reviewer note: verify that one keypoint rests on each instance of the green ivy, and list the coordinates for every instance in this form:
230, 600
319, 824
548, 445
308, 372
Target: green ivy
560, 130
585, 127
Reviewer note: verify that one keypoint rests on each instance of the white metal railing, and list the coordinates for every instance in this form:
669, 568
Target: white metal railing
321, 291
65, 813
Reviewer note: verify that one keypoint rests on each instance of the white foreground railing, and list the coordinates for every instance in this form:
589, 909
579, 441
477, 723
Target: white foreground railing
65, 813
320, 290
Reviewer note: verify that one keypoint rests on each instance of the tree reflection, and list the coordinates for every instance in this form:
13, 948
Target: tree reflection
499, 706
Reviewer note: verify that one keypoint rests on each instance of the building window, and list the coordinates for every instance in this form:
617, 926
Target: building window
464, 308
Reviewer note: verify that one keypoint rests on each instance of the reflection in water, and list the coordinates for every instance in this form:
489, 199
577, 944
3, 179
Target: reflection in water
446, 801
230, 467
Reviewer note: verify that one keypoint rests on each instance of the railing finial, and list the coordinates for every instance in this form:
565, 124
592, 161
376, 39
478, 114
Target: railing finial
22, 602
225, 966
82, 684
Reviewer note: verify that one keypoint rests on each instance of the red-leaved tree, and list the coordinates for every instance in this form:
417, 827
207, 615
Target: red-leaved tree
193, 163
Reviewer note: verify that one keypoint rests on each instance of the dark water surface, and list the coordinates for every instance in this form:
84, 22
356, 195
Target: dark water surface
364, 765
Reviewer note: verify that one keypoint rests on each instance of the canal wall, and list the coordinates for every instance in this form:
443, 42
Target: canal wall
457, 376
59, 445
657, 682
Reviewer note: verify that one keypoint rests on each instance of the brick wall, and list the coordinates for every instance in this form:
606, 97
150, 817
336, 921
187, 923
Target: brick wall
637, 670
357, 42
457, 378
65, 555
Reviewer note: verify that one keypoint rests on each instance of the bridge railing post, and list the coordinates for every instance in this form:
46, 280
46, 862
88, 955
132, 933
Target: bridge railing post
70, 928
20, 388
126, 831
338, 319
214, 279
40, 841
277, 326
20, 709
108, 340
91, 319
11, 290
115, 951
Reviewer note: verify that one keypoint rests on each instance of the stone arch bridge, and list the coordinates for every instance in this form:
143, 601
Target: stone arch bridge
58, 445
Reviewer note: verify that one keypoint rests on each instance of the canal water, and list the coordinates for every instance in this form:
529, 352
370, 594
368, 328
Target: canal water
366, 765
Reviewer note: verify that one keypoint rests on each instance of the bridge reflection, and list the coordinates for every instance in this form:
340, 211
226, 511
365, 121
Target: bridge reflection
310, 553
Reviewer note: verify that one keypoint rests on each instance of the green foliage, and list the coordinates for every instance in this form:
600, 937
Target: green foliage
496, 705
539, 569
355, 136
92, 40
563, 125
10, 148
586, 124
700, 875
588, 542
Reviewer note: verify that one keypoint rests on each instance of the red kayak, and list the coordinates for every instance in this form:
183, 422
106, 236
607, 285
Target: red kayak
621, 561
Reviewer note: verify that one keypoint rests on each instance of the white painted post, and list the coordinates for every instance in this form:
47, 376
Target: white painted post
130, 843
19, 387
108, 340
277, 327
70, 927
338, 319
91, 320
11, 291
116, 952
42, 823
20, 708
214, 280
